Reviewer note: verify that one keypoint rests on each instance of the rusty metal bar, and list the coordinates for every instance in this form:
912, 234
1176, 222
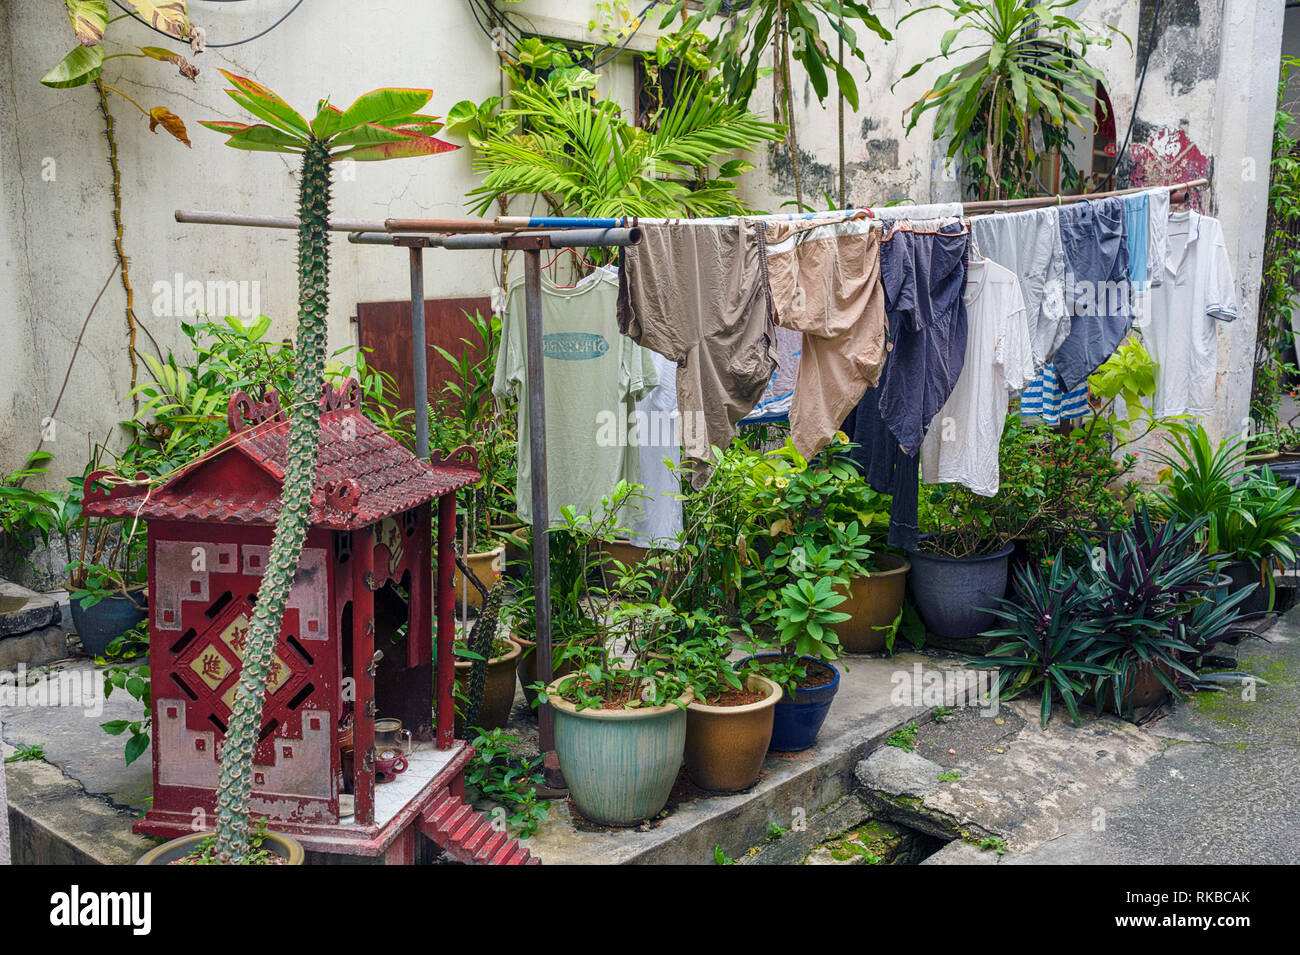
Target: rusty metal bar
363, 680
446, 670
272, 222
541, 505
419, 354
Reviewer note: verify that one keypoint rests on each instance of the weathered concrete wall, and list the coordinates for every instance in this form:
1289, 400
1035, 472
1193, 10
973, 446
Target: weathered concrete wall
4, 814
1206, 107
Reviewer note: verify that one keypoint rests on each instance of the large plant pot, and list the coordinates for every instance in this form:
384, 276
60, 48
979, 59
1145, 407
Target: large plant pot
619, 765
725, 745
873, 604
286, 847
498, 687
799, 716
1243, 574
950, 590
102, 623
1147, 690
486, 566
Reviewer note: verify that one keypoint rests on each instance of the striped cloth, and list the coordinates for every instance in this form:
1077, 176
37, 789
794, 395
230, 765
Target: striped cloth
1043, 399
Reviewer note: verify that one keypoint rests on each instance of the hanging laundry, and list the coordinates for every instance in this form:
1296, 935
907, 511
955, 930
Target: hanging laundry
825, 279
656, 436
933, 210
1098, 291
1181, 334
593, 376
698, 295
1043, 399
1137, 215
779, 395
961, 445
1029, 244
1157, 235
923, 274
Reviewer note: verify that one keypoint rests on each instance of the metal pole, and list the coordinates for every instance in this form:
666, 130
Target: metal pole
541, 507
419, 354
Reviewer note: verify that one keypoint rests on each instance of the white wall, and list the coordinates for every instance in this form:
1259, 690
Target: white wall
1212, 76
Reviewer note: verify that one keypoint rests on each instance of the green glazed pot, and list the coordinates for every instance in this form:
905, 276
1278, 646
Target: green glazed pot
619, 765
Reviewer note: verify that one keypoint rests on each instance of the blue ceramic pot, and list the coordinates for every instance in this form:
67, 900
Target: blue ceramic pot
950, 590
799, 717
102, 623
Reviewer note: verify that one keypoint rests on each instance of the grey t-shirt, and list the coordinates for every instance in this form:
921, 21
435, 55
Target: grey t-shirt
1099, 295
1029, 244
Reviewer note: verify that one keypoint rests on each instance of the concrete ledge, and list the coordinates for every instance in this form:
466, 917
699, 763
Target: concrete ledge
53, 821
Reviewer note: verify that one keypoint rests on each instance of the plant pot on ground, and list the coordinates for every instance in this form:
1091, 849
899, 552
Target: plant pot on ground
487, 567
952, 592
728, 736
498, 687
809, 687
199, 848
106, 619
873, 604
619, 756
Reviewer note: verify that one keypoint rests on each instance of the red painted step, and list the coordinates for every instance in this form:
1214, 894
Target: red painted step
468, 835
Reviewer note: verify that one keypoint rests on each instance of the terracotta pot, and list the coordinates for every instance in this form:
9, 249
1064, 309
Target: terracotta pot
486, 566
625, 552
286, 847
1147, 690
498, 687
620, 765
873, 604
725, 745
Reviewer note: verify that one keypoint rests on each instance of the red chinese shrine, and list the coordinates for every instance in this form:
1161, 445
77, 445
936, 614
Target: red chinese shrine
356, 642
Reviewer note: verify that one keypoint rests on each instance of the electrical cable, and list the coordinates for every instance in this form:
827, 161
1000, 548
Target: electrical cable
135, 16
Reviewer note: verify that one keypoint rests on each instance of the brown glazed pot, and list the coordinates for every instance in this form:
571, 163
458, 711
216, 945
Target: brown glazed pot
1147, 690
486, 566
498, 687
873, 603
725, 745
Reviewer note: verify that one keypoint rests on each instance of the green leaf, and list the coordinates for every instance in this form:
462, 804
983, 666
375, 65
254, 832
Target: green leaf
266, 104
135, 747
115, 727
78, 68
377, 106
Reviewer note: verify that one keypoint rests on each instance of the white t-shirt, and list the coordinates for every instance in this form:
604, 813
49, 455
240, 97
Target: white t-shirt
656, 432
1180, 331
961, 445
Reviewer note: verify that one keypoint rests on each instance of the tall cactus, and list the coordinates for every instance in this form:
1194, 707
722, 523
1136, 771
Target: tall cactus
383, 124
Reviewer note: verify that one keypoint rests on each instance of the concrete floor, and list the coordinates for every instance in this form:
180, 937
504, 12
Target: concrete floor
1214, 780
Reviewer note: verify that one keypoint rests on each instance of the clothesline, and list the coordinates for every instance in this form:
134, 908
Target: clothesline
968, 208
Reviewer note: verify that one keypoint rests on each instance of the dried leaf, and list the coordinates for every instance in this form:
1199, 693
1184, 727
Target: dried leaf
89, 18
169, 16
186, 68
162, 116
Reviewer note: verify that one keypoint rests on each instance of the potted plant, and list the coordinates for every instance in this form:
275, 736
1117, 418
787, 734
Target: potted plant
107, 576
1246, 520
485, 672
620, 716
1048, 634
729, 721
200, 848
465, 414
1146, 579
1053, 487
1288, 443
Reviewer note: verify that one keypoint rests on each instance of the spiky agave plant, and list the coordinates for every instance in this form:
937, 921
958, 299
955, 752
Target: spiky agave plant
383, 124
